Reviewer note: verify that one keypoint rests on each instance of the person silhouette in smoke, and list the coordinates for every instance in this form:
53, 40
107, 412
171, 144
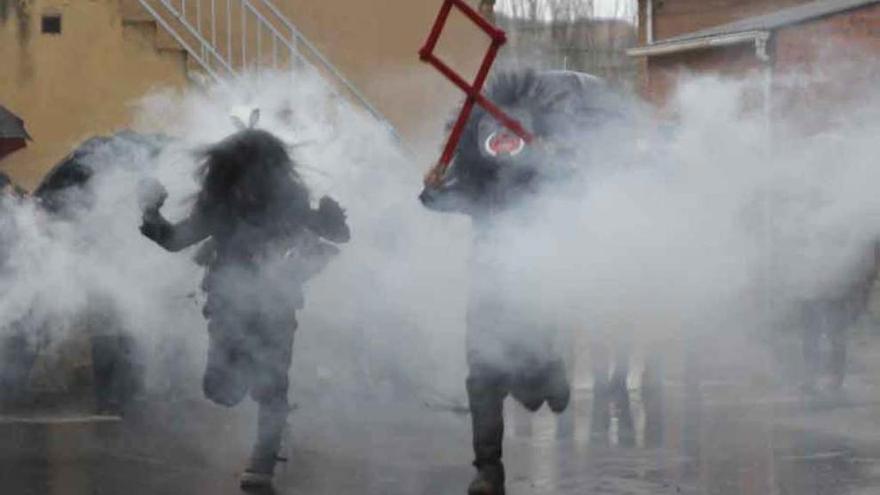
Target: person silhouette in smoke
265, 241
68, 194
492, 179
17, 351
495, 178
831, 317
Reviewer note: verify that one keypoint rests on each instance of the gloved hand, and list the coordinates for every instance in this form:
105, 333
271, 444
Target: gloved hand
330, 212
329, 221
151, 195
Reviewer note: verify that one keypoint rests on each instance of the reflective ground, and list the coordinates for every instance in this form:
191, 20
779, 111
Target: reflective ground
721, 442
731, 435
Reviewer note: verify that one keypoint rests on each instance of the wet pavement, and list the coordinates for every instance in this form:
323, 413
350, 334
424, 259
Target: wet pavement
722, 442
731, 435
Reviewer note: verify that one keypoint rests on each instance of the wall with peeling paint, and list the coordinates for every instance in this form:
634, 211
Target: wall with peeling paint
76, 84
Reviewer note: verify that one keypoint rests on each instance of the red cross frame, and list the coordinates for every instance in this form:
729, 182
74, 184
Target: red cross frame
473, 91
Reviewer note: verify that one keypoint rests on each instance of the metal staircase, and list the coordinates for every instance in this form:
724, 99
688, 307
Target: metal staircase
224, 38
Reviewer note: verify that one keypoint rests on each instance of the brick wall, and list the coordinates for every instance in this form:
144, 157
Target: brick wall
677, 17
819, 68
665, 72
822, 67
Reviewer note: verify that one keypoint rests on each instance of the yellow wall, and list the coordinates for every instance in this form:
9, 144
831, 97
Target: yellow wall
376, 42
71, 86
81, 83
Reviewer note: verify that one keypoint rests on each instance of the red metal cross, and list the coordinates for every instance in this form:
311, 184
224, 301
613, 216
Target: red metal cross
474, 90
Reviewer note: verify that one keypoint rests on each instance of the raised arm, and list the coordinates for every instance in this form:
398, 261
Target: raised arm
328, 221
174, 237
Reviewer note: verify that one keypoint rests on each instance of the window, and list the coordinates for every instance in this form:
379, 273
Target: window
51, 24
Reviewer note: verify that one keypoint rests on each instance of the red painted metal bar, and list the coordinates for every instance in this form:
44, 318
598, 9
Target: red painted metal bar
506, 120
449, 74
490, 107
484, 102
473, 91
454, 137
483, 73
436, 30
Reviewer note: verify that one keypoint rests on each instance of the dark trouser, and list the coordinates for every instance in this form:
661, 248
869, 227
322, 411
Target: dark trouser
117, 370
17, 357
20, 345
521, 364
117, 373
829, 319
813, 362
251, 353
652, 398
488, 386
486, 392
610, 387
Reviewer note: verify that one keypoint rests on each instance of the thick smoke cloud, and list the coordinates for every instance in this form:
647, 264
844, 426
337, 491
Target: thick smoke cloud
713, 229
668, 233
385, 315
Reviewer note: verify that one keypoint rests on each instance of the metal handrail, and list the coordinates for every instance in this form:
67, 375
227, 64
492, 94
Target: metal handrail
297, 35
267, 23
205, 45
284, 36
162, 22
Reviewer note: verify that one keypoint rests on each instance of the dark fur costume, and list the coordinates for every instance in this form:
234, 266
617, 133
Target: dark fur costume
832, 317
67, 188
67, 193
17, 354
8, 198
557, 107
265, 242
64, 194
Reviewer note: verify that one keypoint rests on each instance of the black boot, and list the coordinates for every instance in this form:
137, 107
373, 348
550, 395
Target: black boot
486, 392
270, 428
107, 366
600, 419
652, 399
489, 480
812, 355
626, 432
118, 373
837, 336
558, 390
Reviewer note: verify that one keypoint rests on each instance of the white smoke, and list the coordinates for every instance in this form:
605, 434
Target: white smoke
715, 228
671, 232
388, 312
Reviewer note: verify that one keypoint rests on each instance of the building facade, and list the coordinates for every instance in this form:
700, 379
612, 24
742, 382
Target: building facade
73, 68
788, 48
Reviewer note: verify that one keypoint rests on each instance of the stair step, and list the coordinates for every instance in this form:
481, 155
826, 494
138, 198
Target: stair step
196, 73
144, 29
165, 41
132, 11
193, 65
229, 42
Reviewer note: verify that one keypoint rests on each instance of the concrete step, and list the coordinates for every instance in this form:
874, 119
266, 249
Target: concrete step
242, 44
166, 41
135, 17
196, 73
132, 11
146, 32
